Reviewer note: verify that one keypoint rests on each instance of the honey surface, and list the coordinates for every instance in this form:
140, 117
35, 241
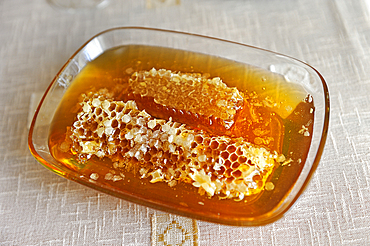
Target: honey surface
257, 108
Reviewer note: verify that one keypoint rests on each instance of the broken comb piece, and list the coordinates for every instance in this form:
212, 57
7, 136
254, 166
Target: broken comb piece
208, 104
186, 96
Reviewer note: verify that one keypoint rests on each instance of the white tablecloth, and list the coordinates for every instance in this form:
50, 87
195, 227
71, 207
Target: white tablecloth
38, 207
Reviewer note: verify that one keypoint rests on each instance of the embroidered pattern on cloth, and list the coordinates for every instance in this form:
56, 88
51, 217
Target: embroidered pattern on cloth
174, 230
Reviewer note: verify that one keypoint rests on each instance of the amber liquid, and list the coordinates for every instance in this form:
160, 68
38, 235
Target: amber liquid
114, 67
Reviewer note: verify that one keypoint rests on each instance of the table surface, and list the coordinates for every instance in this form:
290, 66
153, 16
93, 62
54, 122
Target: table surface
38, 207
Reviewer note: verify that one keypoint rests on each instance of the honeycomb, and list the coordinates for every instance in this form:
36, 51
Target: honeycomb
205, 103
187, 97
163, 150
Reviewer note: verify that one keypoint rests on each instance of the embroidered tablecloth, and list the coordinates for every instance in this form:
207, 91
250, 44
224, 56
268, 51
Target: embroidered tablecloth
38, 207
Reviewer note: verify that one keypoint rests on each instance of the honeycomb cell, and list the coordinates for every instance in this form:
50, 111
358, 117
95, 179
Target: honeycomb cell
222, 146
233, 157
214, 145
198, 139
112, 107
239, 152
225, 155
242, 159
235, 165
237, 173
231, 149
98, 111
227, 164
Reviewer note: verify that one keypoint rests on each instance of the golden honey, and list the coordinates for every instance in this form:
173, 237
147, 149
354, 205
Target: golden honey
200, 128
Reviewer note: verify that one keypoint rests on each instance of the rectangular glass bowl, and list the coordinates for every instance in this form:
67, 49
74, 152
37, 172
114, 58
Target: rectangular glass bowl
268, 207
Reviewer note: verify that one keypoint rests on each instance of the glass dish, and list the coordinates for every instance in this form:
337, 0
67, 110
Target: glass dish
292, 70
